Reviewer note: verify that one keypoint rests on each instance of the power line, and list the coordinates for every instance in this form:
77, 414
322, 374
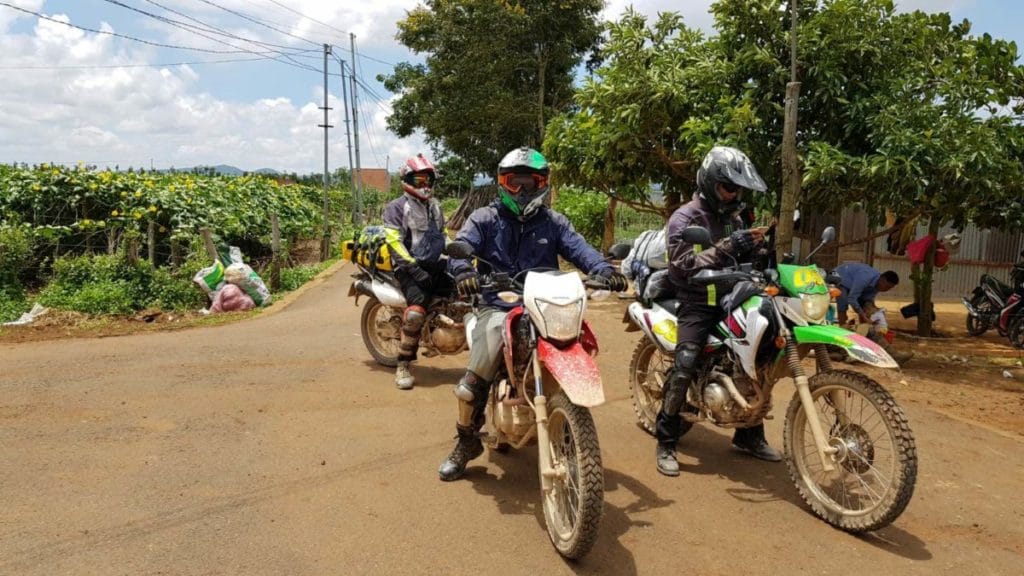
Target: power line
257, 21
97, 66
369, 136
207, 28
361, 55
132, 38
310, 18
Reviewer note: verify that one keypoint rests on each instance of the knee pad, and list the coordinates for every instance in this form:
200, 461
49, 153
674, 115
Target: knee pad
413, 319
472, 389
674, 390
472, 394
687, 357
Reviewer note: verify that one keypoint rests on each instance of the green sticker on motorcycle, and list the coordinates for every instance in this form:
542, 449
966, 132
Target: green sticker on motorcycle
801, 279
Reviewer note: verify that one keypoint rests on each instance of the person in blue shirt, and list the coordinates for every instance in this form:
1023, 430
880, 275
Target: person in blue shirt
860, 284
515, 233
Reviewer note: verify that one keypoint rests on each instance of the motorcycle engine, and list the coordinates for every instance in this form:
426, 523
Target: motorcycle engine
718, 404
512, 416
447, 338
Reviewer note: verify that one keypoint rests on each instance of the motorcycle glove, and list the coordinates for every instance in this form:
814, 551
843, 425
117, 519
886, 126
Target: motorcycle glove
742, 242
468, 283
616, 280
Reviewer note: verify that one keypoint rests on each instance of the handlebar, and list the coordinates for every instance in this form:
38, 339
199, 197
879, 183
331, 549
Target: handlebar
745, 272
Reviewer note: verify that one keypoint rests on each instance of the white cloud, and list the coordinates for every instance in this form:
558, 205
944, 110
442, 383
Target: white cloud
130, 115
694, 12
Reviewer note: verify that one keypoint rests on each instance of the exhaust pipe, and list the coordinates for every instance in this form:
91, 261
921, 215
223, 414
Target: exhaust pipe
363, 287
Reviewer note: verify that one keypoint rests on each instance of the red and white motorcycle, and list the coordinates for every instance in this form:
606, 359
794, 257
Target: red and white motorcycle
543, 392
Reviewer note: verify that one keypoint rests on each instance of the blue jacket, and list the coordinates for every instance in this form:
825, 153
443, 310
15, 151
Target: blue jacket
513, 246
859, 284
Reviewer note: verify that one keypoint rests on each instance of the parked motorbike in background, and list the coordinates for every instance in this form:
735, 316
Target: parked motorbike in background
381, 320
848, 446
544, 391
994, 304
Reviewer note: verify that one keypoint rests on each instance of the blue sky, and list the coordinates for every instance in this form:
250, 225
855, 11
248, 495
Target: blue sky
64, 102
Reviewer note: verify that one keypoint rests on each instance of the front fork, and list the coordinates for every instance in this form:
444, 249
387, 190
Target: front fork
540, 408
803, 389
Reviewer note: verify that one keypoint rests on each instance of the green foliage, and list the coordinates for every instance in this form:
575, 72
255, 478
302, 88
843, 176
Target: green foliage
519, 73
15, 251
110, 285
292, 278
449, 206
456, 178
898, 111
585, 210
12, 304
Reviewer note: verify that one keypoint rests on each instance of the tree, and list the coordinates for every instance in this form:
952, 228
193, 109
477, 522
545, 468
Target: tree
495, 72
946, 137
902, 112
456, 178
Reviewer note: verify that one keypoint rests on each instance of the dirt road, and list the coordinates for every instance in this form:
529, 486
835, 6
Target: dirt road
274, 446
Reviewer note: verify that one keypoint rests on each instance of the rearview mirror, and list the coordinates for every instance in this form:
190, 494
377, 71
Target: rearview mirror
459, 250
828, 235
697, 235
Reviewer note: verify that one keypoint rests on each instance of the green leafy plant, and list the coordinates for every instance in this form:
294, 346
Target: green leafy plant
585, 210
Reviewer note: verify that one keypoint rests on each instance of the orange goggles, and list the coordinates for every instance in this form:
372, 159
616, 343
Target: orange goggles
522, 182
420, 179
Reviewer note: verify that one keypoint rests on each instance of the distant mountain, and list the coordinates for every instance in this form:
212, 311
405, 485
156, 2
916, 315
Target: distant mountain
224, 170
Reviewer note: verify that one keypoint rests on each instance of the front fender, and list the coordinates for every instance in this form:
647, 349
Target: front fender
575, 370
856, 345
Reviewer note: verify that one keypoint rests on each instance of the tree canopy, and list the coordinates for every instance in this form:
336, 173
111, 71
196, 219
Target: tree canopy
905, 112
495, 72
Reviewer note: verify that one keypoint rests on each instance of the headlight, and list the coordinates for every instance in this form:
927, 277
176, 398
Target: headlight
561, 322
815, 306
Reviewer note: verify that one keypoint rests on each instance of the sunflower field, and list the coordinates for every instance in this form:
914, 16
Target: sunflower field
54, 219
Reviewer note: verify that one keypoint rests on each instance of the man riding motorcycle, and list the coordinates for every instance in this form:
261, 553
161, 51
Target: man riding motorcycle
724, 175
416, 242
515, 233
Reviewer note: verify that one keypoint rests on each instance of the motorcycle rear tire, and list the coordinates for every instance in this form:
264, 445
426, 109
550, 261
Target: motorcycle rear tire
574, 506
372, 339
645, 403
1016, 332
978, 325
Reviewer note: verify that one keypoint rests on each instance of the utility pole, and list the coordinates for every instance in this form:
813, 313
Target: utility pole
358, 191
348, 136
790, 162
325, 243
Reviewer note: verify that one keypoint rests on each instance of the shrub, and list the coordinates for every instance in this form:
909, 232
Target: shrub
585, 210
292, 278
12, 304
15, 253
110, 285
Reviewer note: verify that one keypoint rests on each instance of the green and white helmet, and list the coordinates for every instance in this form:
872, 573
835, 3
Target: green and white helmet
523, 181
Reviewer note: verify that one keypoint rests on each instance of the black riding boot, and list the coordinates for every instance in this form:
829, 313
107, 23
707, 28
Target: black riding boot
466, 448
751, 440
667, 430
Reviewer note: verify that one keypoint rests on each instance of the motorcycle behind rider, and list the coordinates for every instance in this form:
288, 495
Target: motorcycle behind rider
724, 177
515, 233
416, 242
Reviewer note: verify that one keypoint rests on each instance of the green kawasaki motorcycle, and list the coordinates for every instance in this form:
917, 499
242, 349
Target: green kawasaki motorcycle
847, 443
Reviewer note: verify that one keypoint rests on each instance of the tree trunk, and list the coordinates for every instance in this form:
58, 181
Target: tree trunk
924, 312
608, 238
790, 174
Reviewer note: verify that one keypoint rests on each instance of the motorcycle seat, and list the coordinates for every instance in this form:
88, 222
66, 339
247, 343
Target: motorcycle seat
739, 294
669, 304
